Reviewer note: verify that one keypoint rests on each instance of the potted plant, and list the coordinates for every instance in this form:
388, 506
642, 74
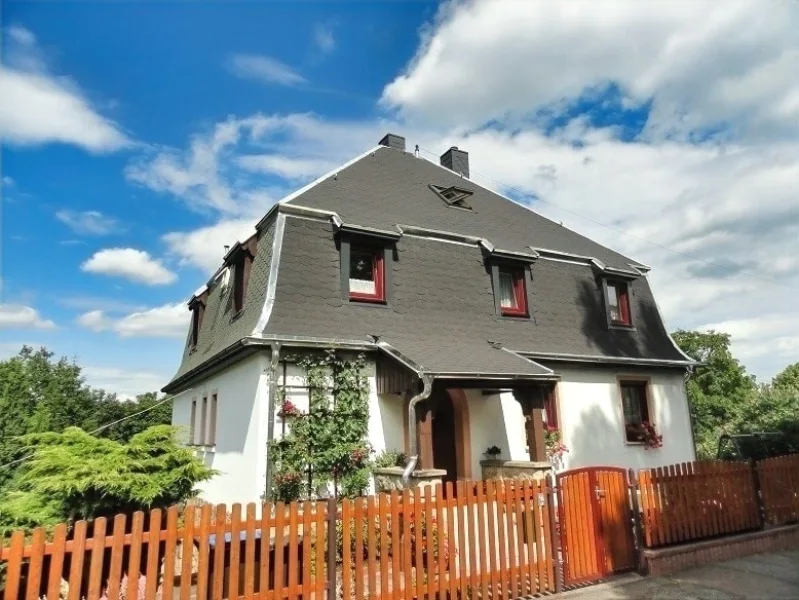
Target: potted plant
554, 445
493, 452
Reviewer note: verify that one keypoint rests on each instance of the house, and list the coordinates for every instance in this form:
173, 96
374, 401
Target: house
492, 322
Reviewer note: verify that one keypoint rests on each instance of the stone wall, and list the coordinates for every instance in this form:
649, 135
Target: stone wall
664, 561
514, 469
390, 478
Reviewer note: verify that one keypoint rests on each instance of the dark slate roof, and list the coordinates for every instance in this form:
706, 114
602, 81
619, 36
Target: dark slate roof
441, 307
441, 311
391, 187
220, 327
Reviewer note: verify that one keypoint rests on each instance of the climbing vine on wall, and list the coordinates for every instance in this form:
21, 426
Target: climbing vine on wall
327, 447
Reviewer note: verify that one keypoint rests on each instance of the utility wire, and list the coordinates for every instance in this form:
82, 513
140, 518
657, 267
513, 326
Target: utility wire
99, 429
617, 229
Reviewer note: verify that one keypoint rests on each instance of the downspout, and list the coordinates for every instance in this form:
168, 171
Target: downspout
413, 442
270, 421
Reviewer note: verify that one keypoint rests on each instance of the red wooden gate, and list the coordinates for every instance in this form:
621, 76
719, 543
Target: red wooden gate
596, 524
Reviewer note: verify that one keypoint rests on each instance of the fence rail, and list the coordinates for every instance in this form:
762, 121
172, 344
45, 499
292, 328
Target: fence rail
779, 485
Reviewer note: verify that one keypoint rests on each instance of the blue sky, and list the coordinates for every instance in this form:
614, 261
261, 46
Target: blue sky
141, 137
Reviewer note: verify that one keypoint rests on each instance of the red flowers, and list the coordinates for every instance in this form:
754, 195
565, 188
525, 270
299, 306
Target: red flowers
650, 437
555, 447
289, 409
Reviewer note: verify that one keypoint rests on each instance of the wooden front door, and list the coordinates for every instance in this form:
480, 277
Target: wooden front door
444, 438
595, 523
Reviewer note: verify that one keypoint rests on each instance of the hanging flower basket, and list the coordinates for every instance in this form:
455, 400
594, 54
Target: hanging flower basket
288, 409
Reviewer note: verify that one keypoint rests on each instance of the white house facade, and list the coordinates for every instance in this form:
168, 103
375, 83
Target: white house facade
482, 324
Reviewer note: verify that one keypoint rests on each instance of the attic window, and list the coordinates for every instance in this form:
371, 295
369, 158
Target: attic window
240, 260
367, 274
512, 293
197, 310
453, 196
618, 303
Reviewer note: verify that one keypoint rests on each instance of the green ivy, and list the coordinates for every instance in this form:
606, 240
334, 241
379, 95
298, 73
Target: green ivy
329, 444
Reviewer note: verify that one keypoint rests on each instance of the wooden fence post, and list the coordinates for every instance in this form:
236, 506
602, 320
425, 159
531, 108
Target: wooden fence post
553, 527
636, 523
332, 517
758, 490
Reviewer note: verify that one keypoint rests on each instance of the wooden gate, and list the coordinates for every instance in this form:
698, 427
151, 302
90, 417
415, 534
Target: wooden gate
595, 524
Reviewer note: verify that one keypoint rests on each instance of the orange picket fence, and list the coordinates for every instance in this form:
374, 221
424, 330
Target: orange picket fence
490, 540
779, 486
692, 501
459, 541
272, 551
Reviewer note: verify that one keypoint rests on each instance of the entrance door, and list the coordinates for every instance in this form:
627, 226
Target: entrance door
596, 523
444, 445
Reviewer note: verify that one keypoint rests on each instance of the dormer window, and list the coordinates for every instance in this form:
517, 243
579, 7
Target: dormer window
197, 308
512, 292
454, 196
240, 259
618, 303
367, 282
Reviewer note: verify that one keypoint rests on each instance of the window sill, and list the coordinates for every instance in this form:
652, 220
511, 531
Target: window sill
236, 316
205, 448
193, 349
367, 302
629, 443
622, 327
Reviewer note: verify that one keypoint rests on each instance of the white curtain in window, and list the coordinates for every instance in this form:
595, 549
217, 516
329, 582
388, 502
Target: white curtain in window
362, 286
507, 296
613, 303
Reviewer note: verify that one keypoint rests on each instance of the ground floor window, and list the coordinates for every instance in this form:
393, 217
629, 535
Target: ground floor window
635, 405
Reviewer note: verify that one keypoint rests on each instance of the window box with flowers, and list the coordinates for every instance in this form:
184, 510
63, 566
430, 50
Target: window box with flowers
645, 434
288, 409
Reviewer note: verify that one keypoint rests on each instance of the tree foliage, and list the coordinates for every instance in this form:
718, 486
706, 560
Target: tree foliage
74, 475
724, 398
39, 394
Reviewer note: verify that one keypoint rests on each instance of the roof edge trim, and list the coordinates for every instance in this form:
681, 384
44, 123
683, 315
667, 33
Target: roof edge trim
274, 269
592, 358
542, 367
367, 231
439, 234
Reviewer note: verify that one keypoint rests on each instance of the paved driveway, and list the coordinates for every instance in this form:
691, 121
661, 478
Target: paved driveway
758, 577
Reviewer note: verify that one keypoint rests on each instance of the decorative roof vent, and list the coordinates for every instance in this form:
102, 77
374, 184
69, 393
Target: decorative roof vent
453, 196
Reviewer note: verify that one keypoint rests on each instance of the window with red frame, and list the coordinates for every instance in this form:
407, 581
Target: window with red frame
551, 409
635, 407
367, 274
512, 293
619, 303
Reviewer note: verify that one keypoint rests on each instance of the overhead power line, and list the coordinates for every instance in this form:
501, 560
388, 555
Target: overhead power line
98, 430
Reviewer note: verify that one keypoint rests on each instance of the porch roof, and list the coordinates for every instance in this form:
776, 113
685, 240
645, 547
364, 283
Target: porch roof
454, 358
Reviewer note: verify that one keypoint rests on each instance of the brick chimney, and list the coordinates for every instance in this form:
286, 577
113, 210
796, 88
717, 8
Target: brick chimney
456, 160
393, 141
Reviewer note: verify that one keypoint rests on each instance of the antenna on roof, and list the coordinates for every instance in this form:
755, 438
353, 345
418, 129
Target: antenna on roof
416, 152
226, 248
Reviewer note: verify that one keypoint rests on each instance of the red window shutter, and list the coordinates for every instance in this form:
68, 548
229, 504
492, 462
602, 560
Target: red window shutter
624, 304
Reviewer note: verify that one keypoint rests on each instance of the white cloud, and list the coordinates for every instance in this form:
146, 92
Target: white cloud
16, 316
702, 64
264, 69
288, 167
8, 181
37, 107
132, 264
90, 222
323, 38
126, 384
166, 321
204, 247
